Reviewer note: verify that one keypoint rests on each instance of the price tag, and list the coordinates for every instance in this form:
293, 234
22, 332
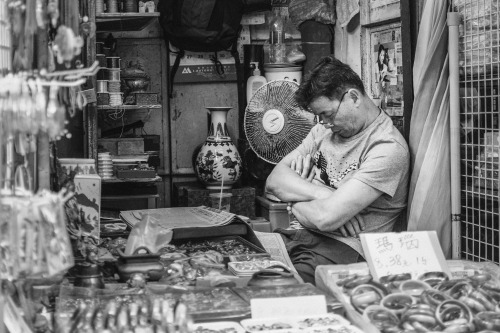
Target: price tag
415, 252
287, 306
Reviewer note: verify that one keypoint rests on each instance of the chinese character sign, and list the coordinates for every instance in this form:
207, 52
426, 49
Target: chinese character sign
406, 252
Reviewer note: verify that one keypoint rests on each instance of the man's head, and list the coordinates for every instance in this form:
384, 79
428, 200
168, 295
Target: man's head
329, 78
335, 93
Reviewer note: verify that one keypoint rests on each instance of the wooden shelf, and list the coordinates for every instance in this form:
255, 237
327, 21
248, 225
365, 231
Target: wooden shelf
128, 107
124, 21
133, 180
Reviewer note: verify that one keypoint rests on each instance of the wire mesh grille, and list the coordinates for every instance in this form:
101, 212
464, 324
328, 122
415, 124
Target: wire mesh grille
480, 142
5, 42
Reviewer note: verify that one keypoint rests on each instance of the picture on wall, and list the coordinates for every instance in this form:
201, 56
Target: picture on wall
386, 71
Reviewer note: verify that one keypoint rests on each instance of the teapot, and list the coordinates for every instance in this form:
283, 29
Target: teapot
275, 275
141, 261
89, 276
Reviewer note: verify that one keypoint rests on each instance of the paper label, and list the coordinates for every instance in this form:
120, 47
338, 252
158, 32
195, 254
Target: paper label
287, 306
89, 95
406, 252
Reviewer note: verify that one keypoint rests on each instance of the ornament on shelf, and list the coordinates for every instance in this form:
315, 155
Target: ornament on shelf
218, 164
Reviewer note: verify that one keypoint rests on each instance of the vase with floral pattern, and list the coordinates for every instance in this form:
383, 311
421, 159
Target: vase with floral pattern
218, 164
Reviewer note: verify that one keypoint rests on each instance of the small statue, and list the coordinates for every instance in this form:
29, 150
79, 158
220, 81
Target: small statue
137, 280
146, 6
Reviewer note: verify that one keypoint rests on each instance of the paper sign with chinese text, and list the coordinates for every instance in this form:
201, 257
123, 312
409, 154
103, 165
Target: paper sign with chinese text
406, 252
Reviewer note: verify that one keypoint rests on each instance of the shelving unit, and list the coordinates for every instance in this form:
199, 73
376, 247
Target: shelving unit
133, 180
128, 107
108, 22
120, 193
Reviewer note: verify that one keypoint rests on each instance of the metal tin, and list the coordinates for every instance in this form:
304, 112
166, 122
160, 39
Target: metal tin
113, 62
114, 86
99, 48
102, 59
130, 6
113, 74
112, 6
115, 99
102, 86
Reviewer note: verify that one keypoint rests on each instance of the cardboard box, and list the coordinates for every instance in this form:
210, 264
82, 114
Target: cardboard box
123, 146
274, 212
260, 224
146, 98
88, 197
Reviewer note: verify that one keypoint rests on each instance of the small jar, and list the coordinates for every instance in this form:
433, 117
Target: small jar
112, 6
130, 6
99, 7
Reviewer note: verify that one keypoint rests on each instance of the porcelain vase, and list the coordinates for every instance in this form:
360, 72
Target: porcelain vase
218, 164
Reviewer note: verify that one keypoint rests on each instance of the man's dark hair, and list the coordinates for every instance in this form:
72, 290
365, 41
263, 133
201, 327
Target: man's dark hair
329, 78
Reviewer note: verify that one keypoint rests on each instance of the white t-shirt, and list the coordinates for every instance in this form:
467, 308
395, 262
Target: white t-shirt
377, 156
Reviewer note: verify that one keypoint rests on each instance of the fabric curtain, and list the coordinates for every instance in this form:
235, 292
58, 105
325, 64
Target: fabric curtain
429, 202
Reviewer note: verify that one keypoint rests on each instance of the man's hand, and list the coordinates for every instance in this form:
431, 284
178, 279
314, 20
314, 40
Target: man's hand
304, 167
353, 227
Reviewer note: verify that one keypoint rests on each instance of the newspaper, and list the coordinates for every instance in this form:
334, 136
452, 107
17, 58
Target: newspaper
153, 228
274, 245
180, 217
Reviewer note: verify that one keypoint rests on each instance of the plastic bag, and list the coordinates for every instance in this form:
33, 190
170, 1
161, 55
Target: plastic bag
318, 10
148, 233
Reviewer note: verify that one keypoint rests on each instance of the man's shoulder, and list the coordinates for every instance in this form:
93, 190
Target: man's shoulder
390, 134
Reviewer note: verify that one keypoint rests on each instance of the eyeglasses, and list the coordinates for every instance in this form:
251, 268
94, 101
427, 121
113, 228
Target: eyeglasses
335, 113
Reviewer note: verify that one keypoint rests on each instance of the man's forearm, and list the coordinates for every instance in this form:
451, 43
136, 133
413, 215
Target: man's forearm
319, 214
287, 185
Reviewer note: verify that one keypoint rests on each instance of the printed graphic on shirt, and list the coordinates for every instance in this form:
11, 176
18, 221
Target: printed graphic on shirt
328, 173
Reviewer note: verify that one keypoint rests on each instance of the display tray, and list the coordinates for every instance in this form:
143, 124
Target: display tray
226, 245
235, 228
123, 173
325, 323
218, 327
208, 304
303, 289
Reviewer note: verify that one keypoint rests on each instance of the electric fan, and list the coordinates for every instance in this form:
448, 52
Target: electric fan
274, 123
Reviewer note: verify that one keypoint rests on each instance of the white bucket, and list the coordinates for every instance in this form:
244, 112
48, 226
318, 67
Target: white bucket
283, 72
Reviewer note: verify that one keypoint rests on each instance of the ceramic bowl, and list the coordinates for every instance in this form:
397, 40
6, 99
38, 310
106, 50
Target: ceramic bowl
137, 83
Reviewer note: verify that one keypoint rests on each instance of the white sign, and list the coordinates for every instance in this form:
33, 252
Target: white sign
406, 252
287, 306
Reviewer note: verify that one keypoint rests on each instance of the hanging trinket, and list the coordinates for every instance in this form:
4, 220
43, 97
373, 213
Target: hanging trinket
41, 15
66, 45
31, 25
53, 12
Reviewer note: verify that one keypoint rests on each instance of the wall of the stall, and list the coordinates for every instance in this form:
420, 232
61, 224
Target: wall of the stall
348, 43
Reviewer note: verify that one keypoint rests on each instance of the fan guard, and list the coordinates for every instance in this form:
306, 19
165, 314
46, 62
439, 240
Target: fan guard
274, 123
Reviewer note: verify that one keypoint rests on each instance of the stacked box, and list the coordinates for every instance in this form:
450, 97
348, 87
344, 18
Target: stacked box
146, 98
123, 146
275, 212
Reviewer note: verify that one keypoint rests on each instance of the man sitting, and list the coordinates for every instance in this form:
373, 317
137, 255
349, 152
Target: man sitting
349, 175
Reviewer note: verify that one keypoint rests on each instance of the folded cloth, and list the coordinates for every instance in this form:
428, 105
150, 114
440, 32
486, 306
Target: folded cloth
346, 9
317, 10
